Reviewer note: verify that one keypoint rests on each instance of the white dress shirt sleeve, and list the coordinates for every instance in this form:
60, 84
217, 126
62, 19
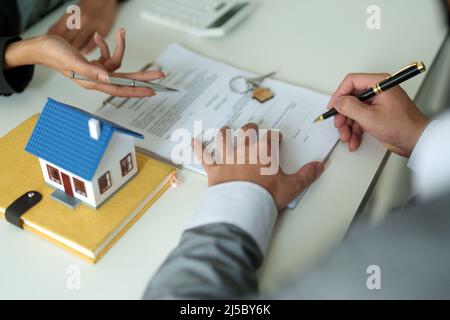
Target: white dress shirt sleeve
242, 204
430, 159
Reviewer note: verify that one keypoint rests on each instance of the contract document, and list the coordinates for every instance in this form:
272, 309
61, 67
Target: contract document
205, 96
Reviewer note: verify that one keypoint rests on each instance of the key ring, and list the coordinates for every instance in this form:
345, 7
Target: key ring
241, 85
244, 85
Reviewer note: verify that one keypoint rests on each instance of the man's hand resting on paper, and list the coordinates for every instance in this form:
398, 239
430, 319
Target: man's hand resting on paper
391, 117
56, 53
258, 154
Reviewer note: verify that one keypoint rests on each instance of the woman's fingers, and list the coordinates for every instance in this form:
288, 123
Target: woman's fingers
94, 72
115, 61
103, 46
99, 70
142, 75
88, 70
119, 51
125, 92
118, 91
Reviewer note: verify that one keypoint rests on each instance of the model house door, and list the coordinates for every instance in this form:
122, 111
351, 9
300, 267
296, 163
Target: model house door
66, 183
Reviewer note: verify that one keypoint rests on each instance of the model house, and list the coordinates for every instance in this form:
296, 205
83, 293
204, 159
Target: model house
85, 157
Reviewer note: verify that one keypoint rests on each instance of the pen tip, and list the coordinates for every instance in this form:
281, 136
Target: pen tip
318, 119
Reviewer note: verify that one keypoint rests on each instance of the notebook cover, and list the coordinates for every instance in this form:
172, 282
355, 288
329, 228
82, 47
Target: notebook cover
86, 227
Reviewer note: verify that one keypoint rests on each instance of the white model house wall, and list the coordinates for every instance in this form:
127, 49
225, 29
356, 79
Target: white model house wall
118, 148
90, 196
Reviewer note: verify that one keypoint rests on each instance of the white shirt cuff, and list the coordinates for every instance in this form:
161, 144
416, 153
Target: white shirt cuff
430, 160
422, 145
243, 204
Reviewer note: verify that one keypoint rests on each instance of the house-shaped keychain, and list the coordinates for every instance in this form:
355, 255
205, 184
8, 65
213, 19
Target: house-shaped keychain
85, 157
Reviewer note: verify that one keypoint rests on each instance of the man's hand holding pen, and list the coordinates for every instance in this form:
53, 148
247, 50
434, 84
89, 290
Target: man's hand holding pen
391, 117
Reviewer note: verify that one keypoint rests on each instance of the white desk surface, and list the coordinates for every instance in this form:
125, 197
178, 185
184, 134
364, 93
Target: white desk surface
310, 43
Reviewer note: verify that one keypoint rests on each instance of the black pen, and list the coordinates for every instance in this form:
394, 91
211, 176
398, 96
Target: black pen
404, 74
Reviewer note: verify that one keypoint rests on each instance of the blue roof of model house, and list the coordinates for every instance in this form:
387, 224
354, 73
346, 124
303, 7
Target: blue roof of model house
61, 137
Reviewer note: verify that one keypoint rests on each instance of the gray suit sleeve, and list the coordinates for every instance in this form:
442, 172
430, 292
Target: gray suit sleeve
409, 254
404, 258
215, 261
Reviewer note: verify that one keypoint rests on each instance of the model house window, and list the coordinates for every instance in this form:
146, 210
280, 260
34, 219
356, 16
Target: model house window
80, 188
105, 182
53, 174
126, 164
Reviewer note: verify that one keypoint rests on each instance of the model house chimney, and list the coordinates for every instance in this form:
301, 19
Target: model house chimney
94, 128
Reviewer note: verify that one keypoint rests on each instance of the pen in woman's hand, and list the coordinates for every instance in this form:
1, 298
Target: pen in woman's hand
125, 82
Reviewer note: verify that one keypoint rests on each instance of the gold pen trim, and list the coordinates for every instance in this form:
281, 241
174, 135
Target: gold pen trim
418, 64
377, 89
319, 119
421, 67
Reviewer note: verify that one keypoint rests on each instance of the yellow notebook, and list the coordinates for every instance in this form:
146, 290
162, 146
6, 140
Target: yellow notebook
86, 232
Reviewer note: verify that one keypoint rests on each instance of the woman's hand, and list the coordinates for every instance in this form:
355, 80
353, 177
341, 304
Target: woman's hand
91, 22
56, 53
